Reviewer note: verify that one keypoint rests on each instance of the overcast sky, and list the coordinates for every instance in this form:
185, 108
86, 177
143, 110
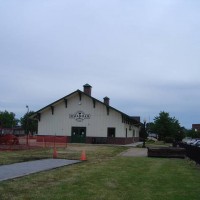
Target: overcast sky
144, 55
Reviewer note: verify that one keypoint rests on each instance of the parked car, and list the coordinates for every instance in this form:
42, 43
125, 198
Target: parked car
186, 139
195, 142
152, 138
191, 141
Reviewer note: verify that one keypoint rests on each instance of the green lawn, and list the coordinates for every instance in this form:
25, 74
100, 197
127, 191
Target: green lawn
106, 176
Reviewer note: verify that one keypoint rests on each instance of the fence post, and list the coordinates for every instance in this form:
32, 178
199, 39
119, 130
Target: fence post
43, 142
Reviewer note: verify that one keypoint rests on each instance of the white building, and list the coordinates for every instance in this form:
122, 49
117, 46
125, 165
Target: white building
84, 119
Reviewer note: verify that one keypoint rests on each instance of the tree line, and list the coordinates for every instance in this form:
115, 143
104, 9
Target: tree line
166, 127
9, 120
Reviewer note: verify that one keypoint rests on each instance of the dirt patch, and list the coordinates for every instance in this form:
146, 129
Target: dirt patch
81, 147
74, 149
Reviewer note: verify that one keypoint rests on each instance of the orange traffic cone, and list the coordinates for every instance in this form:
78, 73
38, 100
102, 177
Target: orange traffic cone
55, 154
83, 156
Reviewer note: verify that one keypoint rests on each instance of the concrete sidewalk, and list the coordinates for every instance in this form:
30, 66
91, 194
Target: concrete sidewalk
135, 144
135, 152
25, 168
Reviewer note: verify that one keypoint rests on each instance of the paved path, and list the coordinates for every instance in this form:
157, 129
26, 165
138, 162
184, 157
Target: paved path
135, 152
133, 144
25, 168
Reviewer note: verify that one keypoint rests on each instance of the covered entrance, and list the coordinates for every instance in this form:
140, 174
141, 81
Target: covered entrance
78, 135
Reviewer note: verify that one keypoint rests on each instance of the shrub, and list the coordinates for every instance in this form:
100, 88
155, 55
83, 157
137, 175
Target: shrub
169, 139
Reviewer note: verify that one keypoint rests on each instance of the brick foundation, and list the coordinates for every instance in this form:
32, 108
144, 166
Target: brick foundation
49, 138
89, 140
105, 140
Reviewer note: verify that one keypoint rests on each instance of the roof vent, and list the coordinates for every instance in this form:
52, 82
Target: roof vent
106, 100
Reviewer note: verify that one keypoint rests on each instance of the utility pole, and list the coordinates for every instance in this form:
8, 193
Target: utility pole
27, 124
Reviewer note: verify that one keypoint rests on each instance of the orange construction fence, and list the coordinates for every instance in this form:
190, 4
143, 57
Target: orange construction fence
30, 142
52, 141
43, 141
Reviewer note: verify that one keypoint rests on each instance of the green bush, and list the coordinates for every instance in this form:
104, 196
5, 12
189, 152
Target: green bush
150, 141
168, 139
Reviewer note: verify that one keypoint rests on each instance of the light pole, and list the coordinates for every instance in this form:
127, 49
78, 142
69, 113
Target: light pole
27, 124
144, 133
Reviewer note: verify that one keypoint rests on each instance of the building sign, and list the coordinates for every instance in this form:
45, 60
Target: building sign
79, 116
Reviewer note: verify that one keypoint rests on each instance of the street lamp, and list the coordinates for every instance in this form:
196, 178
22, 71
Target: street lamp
27, 108
27, 124
144, 133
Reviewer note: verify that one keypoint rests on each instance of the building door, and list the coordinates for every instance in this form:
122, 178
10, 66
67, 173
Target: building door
78, 135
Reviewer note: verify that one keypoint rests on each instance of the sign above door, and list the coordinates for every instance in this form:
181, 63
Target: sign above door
79, 116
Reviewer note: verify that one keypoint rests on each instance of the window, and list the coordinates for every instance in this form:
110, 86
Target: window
111, 132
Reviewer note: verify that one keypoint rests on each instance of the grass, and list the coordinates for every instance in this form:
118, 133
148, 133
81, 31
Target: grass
9, 157
73, 151
106, 176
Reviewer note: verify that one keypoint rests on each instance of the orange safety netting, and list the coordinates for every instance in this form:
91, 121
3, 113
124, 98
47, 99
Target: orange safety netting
31, 142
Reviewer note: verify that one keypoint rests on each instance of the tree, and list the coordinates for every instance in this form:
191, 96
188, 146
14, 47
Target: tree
7, 119
28, 124
193, 134
150, 127
167, 128
143, 133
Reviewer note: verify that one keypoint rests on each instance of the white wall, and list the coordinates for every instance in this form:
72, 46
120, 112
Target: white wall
60, 123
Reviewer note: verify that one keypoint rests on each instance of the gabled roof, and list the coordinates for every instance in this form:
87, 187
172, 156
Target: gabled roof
127, 118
